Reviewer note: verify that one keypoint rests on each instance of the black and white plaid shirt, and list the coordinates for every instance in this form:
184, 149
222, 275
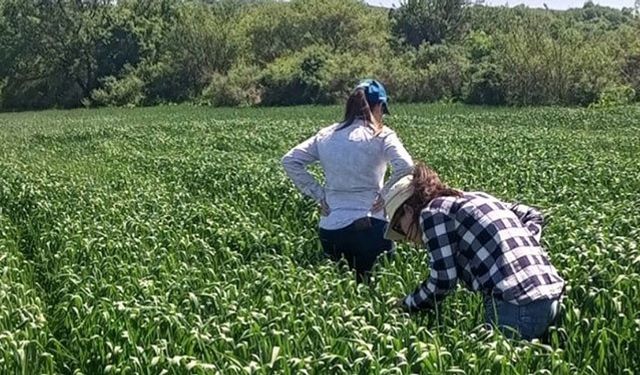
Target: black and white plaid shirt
492, 246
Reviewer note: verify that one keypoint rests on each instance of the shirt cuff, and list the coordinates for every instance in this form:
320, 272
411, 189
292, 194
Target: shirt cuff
409, 303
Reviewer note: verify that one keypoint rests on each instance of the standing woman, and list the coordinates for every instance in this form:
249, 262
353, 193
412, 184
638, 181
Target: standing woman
354, 154
493, 247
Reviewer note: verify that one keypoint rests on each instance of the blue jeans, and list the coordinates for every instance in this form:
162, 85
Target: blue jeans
527, 321
359, 243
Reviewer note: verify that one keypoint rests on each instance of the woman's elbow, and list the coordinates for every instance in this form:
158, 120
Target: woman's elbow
287, 160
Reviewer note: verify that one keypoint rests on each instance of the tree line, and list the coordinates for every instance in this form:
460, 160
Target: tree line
71, 53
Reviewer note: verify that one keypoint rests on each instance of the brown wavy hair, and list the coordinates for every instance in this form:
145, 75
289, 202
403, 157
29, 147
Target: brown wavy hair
427, 186
357, 108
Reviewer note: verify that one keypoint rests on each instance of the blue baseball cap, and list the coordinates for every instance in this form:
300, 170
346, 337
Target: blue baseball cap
375, 93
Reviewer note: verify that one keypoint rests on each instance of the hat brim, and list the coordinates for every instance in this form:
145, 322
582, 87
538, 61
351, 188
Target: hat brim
392, 205
393, 235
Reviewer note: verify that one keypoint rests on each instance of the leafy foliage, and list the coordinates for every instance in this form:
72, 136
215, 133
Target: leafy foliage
67, 53
428, 21
239, 87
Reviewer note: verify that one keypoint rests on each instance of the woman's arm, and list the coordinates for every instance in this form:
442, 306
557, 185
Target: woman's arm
441, 236
400, 160
530, 217
295, 165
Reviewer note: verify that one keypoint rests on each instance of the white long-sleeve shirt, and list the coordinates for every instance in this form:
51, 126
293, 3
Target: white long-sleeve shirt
354, 162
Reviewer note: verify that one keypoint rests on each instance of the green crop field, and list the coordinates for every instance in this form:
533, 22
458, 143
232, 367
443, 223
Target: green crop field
169, 241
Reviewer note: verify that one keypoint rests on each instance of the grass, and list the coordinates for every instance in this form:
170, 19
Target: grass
168, 240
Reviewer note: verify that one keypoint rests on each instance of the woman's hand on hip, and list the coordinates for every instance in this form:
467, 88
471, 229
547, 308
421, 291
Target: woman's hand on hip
378, 204
324, 209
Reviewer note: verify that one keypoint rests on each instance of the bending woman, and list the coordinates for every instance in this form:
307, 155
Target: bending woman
493, 247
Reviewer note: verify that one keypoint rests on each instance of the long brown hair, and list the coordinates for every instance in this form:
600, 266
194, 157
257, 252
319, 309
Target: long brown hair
427, 187
356, 108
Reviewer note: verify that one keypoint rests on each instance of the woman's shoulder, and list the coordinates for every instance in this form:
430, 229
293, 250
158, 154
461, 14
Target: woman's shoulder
361, 127
482, 205
479, 195
443, 204
328, 129
387, 131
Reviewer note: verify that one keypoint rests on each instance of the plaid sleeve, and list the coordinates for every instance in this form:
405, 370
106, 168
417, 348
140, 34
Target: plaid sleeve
529, 217
441, 239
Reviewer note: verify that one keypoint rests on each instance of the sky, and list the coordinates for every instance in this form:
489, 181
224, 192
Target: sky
552, 4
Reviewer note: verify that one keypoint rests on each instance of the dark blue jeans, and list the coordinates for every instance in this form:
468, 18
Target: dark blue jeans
528, 321
360, 244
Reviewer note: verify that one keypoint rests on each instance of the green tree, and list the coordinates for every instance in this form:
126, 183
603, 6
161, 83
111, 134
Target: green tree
270, 31
57, 51
200, 43
274, 29
342, 25
545, 61
431, 21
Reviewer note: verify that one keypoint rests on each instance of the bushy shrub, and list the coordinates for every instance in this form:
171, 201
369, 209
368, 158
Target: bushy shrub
615, 95
343, 71
428, 74
239, 87
164, 81
269, 32
479, 46
297, 79
631, 73
125, 91
428, 54
485, 85
341, 25
485, 78
420, 21
550, 64
50, 91
593, 70
586, 90
445, 79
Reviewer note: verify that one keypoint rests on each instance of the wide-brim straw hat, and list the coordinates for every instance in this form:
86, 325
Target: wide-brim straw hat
394, 199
